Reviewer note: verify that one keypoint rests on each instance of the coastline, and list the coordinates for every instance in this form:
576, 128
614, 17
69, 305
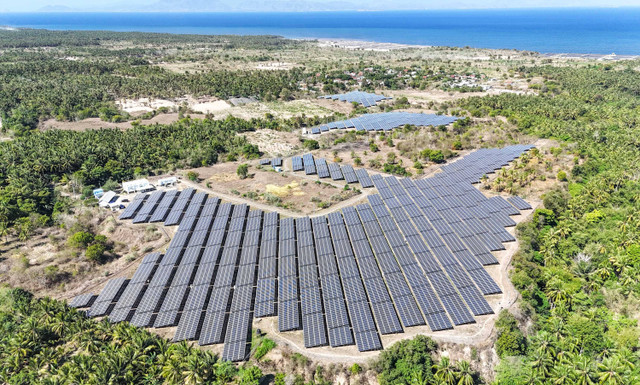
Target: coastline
369, 45
379, 46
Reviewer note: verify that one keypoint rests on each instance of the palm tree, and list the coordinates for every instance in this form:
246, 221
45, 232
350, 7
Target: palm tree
562, 375
583, 371
465, 374
444, 371
610, 372
541, 362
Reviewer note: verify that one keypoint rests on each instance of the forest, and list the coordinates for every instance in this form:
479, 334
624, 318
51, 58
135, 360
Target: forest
31, 166
43, 341
578, 269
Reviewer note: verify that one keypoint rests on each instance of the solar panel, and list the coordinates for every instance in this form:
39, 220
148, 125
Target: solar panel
132, 209
177, 210
385, 121
296, 163
164, 206
144, 213
334, 170
363, 178
309, 164
519, 203
322, 168
83, 300
349, 174
105, 301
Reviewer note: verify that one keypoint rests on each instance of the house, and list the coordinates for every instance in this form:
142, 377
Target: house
138, 185
169, 181
107, 199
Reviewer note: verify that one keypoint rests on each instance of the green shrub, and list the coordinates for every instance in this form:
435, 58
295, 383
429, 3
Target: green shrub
81, 239
398, 364
243, 170
95, 252
193, 176
265, 345
310, 144
562, 176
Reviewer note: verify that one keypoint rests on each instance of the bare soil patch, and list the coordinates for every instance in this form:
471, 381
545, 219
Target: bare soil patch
292, 192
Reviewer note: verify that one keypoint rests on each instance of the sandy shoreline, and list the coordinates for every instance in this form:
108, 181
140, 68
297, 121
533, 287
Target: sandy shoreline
366, 45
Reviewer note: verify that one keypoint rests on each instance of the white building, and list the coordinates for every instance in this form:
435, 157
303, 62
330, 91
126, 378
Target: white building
138, 185
170, 181
107, 198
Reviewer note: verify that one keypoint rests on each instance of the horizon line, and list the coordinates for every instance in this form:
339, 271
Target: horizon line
71, 10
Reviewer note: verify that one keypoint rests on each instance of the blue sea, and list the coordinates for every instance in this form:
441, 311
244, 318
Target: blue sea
582, 30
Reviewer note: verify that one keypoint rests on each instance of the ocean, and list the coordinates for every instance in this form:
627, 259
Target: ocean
582, 30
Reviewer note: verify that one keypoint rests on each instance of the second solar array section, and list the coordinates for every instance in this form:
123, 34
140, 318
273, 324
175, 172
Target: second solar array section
288, 306
433, 311
403, 298
239, 325
162, 211
156, 291
450, 252
362, 322
267, 268
296, 163
177, 210
463, 251
108, 297
202, 284
339, 331
145, 212
349, 174
379, 299
363, 178
214, 321
309, 164
132, 294
133, 207
313, 324
179, 290
322, 168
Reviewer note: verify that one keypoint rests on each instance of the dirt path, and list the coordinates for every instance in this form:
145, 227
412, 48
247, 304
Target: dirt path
282, 211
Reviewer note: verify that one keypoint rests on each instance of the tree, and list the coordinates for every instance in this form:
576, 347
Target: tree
444, 371
95, 252
243, 171
562, 176
464, 374
80, 239
401, 363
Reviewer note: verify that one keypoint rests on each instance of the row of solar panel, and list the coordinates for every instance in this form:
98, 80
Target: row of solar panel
364, 98
320, 167
385, 121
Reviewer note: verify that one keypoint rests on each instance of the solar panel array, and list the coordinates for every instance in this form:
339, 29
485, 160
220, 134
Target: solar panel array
413, 255
365, 98
386, 121
335, 171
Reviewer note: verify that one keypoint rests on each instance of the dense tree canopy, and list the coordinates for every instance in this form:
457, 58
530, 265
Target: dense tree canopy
45, 342
579, 261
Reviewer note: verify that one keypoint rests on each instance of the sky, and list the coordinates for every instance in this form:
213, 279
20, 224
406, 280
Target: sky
288, 5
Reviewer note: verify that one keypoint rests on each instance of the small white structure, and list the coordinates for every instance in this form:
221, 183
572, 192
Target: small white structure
98, 193
170, 181
138, 185
108, 199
